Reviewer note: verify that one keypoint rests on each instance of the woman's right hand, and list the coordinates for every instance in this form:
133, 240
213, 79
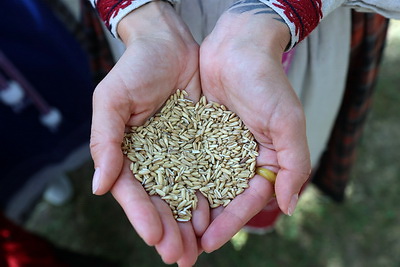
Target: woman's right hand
161, 56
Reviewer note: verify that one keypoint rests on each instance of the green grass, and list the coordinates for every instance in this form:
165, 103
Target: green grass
363, 231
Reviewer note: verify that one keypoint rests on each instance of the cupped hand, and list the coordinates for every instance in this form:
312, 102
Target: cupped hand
161, 56
240, 67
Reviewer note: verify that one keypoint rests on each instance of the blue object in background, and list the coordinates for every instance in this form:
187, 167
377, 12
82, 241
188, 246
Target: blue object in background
53, 62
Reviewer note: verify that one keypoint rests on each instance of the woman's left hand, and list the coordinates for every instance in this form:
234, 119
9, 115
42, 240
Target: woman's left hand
240, 67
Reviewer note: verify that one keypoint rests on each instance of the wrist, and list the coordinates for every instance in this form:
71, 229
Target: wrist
112, 11
301, 16
263, 31
151, 17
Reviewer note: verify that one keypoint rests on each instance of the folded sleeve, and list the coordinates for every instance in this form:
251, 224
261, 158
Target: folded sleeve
387, 8
303, 16
112, 11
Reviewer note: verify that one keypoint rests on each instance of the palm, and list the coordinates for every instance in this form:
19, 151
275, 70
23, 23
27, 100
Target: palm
147, 74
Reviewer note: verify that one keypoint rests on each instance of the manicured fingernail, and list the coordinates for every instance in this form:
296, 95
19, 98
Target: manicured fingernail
292, 204
96, 180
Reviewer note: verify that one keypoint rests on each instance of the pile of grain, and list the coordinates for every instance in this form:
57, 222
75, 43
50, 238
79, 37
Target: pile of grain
188, 147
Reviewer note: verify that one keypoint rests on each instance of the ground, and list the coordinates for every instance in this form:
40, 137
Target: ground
362, 231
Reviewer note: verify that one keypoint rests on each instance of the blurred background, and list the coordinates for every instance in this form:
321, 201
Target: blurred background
364, 230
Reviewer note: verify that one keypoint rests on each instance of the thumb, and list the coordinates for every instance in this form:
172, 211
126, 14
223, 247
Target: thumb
294, 162
108, 126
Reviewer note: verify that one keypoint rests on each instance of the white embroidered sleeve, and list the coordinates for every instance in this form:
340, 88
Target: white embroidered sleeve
112, 11
303, 16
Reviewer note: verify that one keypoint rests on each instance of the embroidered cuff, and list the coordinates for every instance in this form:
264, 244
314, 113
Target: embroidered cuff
112, 11
301, 16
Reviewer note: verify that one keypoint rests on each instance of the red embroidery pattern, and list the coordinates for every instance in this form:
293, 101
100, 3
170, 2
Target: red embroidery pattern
109, 9
304, 14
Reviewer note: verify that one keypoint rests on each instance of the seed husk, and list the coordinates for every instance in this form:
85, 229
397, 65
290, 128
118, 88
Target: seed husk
188, 147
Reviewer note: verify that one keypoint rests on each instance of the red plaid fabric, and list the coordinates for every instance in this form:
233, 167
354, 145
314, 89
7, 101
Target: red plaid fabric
368, 39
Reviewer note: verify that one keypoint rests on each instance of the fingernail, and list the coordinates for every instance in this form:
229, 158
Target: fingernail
292, 204
96, 180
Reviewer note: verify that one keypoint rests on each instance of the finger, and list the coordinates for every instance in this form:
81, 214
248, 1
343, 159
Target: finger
190, 248
170, 247
137, 206
201, 215
242, 208
108, 125
293, 160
